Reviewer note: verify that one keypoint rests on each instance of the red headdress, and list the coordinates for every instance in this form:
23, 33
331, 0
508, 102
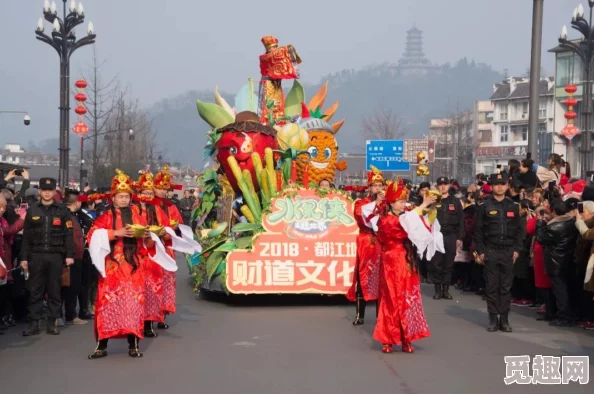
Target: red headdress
144, 182
162, 180
375, 176
396, 191
121, 183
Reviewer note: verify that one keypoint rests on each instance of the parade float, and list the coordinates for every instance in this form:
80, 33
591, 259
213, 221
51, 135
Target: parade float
265, 224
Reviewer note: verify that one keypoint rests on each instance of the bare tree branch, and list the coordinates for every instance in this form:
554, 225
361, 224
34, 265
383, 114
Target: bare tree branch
383, 125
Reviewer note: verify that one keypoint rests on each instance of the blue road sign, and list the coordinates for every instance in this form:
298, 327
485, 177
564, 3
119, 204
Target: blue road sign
386, 155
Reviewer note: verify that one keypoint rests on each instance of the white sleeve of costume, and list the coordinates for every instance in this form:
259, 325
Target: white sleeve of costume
161, 257
185, 243
99, 248
367, 210
420, 236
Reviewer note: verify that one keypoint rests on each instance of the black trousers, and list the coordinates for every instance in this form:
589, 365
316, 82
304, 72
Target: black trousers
71, 293
85, 281
499, 279
523, 288
561, 293
439, 269
45, 275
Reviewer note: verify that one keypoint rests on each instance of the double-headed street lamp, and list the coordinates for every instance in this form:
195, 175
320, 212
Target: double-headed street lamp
583, 48
64, 41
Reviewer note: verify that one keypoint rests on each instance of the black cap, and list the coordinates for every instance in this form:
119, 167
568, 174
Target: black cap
442, 180
572, 204
425, 185
47, 184
498, 179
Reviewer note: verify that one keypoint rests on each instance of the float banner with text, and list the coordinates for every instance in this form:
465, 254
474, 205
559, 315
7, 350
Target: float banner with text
309, 246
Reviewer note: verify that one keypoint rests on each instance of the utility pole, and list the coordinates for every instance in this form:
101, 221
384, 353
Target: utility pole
535, 77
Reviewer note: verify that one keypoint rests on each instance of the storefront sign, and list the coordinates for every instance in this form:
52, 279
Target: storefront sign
501, 151
309, 247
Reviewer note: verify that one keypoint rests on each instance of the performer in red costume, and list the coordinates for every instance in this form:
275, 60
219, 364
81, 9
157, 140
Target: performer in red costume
162, 183
153, 272
366, 279
401, 319
120, 259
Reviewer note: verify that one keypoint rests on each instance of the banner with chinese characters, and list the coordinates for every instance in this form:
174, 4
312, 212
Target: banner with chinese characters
309, 246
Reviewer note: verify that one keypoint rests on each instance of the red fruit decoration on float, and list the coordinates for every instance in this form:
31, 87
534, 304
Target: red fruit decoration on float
80, 128
570, 131
242, 138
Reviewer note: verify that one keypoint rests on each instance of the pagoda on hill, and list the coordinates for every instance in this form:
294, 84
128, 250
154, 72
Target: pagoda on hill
413, 62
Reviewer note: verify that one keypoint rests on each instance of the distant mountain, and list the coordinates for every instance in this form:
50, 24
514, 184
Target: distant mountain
360, 92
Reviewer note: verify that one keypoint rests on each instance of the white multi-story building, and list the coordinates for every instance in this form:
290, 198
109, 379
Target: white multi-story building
509, 130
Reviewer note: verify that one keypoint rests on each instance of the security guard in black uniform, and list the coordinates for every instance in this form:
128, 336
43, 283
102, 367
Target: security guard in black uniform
498, 241
450, 216
48, 244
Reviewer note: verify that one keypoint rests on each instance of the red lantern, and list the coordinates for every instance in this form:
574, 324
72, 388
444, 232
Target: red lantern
80, 110
81, 84
80, 128
80, 97
571, 89
570, 131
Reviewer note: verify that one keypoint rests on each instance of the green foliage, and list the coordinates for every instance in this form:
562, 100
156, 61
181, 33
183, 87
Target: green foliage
212, 263
244, 227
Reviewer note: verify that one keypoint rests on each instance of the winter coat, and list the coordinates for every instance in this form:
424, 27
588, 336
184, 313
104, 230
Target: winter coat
522, 264
586, 230
558, 238
528, 179
546, 175
7, 233
541, 279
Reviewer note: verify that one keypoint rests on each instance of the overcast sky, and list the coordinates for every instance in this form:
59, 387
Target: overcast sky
164, 48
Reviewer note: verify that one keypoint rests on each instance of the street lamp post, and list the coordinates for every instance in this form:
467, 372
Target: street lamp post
64, 41
585, 50
106, 133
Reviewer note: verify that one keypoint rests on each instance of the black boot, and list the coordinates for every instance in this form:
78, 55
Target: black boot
493, 322
100, 351
52, 327
360, 305
148, 330
133, 350
445, 294
33, 329
437, 295
504, 326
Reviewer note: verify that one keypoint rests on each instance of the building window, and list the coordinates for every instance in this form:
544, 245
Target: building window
524, 133
486, 136
504, 134
524, 106
542, 127
503, 112
542, 109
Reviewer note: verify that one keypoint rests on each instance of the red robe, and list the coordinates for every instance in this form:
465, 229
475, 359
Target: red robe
169, 296
368, 258
541, 279
401, 315
153, 274
119, 306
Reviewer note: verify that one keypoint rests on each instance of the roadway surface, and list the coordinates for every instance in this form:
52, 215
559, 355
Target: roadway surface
278, 345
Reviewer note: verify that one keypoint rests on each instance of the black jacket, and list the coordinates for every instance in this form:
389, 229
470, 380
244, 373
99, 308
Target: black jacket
558, 238
529, 179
